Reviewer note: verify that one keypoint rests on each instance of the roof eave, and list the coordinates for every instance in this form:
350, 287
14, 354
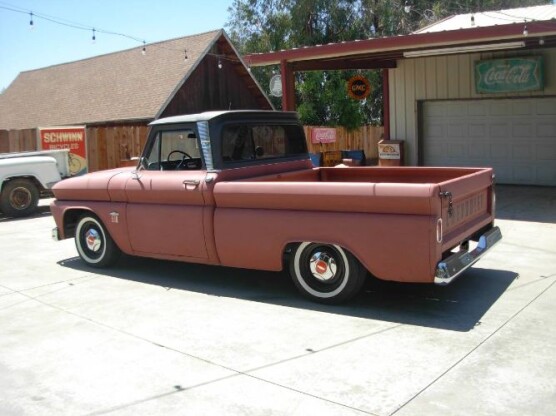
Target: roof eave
407, 42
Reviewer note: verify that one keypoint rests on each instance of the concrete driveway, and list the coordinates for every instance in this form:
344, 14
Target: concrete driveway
152, 337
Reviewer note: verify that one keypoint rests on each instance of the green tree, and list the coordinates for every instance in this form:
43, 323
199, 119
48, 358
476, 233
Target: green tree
321, 96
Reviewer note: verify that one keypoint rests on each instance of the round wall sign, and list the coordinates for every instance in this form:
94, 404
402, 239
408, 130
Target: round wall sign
358, 87
276, 86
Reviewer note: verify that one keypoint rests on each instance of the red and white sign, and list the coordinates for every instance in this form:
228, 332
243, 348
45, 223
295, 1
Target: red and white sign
71, 138
323, 135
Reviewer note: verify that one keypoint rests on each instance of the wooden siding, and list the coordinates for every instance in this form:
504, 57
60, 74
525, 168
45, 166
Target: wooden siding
18, 140
111, 147
211, 88
365, 138
447, 78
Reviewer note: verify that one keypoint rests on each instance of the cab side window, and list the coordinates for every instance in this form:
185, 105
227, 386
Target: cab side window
175, 150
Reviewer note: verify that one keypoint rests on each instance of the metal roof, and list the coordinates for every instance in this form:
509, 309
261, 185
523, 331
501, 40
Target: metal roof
493, 18
450, 32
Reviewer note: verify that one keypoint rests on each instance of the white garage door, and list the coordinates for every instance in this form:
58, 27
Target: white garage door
517, 137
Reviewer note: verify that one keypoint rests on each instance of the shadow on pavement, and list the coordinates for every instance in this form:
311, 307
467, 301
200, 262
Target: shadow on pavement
526, 203
41, 211
457, 307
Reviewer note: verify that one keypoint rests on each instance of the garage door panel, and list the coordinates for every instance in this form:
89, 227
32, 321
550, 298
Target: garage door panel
477, 130
455, 151
500, 130
435, 131
522, 108
546, 151
523, 174
547, 108
498, 151
477, 149
524, 153
523, 130
457, 130
516, 136
546, 129
546, 175
500, 108
456, 110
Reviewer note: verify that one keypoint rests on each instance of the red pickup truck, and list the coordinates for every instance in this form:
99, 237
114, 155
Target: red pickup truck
237, 188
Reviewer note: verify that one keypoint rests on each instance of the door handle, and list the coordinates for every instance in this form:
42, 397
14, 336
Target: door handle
191, 182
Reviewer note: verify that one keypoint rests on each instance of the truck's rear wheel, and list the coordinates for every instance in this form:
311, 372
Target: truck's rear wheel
94, 244
326, 273
20, 198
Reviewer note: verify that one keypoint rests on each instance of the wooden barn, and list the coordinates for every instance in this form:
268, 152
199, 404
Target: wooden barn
116, 95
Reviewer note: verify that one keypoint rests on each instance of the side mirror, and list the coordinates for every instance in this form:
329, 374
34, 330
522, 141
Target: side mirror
142, 165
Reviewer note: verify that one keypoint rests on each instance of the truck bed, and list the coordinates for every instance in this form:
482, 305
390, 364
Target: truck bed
430, 210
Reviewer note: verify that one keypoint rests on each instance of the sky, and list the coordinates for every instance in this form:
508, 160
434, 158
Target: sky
48, 43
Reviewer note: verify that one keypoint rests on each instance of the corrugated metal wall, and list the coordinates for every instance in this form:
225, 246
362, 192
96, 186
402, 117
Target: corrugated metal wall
446, 78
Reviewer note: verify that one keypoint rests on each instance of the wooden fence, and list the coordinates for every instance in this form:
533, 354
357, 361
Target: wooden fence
107, 147
112, 146
365, 138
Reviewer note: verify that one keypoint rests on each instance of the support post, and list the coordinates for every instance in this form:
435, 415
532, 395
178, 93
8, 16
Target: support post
288, 86
386, 103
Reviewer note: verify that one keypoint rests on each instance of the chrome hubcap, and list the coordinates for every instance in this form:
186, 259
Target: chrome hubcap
323, 266
93, 240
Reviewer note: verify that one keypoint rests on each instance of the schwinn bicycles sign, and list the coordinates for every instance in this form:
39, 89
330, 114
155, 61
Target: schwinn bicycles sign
71, 138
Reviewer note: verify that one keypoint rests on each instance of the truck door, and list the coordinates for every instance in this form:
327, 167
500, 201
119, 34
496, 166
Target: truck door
165, 202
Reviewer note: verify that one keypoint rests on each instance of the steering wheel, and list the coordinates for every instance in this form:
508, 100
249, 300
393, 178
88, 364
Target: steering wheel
184, 156
180, 152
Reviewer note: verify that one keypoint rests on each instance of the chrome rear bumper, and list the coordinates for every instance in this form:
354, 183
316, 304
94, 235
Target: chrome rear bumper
451, 267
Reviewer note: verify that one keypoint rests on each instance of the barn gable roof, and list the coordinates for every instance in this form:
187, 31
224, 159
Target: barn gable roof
121, 86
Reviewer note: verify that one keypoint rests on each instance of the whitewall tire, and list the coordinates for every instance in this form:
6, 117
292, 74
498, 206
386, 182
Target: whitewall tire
326, 273
94, 244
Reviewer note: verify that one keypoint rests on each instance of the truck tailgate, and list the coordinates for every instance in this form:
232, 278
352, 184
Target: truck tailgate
467, 205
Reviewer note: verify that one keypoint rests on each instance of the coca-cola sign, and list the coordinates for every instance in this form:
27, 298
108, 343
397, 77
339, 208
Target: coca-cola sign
509, 75
323, 135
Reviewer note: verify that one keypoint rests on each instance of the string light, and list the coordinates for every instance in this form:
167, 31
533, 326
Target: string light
219, 64
31, 24
407, 7
525, 30
144, 50
472, 20
94, 38
185, 58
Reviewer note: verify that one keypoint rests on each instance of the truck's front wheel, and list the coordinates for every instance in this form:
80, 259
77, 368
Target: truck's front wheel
326, 273
94, 244
19, 198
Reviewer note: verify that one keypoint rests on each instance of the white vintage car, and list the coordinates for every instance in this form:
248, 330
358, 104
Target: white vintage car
25, 177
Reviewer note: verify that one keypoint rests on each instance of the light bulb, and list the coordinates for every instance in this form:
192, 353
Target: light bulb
144, 50
525, 31
219, 64
31, 23
94, 38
